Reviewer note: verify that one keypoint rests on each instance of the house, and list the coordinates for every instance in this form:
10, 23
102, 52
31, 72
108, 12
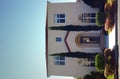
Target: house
58, 41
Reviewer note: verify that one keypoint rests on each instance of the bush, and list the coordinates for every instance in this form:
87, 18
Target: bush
99, 63
78, 78
109, 23
100, 18
94, 75
87, 76
108, 71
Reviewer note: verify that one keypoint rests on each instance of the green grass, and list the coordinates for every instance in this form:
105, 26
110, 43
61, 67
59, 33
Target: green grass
110, 76
109, 31
109, 1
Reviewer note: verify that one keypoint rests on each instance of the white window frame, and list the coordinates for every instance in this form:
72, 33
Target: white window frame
88, 19
59, 61
58, 18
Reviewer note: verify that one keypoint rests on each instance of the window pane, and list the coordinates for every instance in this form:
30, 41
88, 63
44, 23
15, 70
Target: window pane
57, 63
57, 58
62, 63
92, 64
91, 59
93, 21
93, 14
58, 39
58, 15
89, 40
62, 15
62, 20
62, 58
58, 20
95, 39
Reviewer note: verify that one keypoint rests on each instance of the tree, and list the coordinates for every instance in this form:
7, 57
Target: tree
100, 18
76, 54
92, 3
87, 76
76, 28
96, 4
99, 63
94, 75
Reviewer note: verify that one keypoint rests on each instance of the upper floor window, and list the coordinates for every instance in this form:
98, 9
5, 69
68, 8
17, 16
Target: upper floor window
59, 18
58, 60
89, 17
58, 39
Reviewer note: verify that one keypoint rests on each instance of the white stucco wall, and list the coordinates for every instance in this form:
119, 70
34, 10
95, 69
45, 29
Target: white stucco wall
71, 68
53, 46
72, 12
74, 47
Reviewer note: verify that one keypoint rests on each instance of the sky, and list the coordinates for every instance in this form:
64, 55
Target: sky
22, 39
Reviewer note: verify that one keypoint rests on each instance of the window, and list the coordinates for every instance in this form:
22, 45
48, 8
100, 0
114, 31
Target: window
58, 60
92, 64
89, 17
91, 59
89, 40
59, 18
58, 39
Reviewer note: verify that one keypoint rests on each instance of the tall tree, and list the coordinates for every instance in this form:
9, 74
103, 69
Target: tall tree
76, 54
76, 28
96, 4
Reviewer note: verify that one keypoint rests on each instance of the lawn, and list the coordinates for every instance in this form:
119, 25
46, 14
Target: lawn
110, 76
110, 1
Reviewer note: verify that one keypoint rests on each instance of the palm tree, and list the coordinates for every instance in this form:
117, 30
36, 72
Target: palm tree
76, 28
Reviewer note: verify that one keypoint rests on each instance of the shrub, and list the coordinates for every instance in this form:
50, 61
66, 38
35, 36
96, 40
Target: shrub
87, 76
107, 8
94, 75
110, 58
99, 63
100, 18
108, 71
78, 78
109, 23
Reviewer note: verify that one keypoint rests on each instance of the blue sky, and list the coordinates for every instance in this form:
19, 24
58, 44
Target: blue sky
22, 39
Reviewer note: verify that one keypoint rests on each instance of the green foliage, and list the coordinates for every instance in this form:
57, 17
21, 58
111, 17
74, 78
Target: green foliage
78, 78
99, 63
110, 76
76, 54
87, 76
76, 28
96, 4
94, 75
100, 18
108, 70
